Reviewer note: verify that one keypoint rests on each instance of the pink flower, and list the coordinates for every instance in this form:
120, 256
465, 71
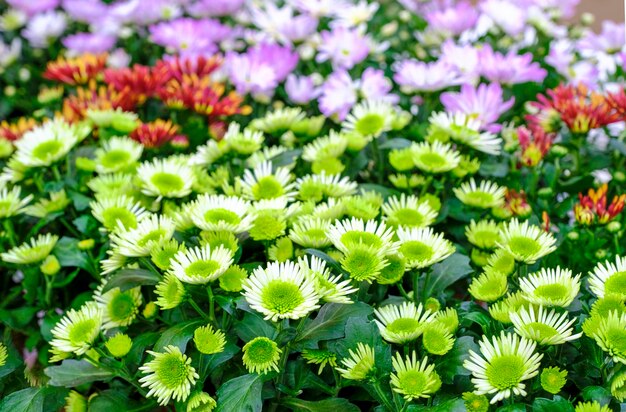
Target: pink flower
416, 76
509, 68
301, 90
339, 94
485, 103
344, 47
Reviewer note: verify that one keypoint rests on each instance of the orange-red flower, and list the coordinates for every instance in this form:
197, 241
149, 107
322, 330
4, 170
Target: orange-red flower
533, 144
617, 101
138, 81
515, 202
177, 67
14, 131
95, 97
592, 208
78, 70
157, 133
545, 221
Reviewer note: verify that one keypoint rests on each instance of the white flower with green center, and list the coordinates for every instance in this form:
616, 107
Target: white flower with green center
201, 265
501, 310
330, 288
278, 206
489, 287
208, 340
501, 261
370, 118
170, 178
262, 183
118, 212
209, 153
221, 213
545, 328
348, 233
113, 262
117, 154
610, 336
49, 142
485, 195
243, 142
364, 206
279, 120
364, 262
594, 406
414, 379
310, 232
31, 252
526, 243
58, 202
281, 291
78, 329
550, 287
317, 187
162, 255
169, 375
359, 364
484, 234
437, 339
618, 386
201, 402
332, 146
118, 308
10, 202
408, 211
464, 129
151, 232
332, 209
261, 355
170, 292
402, 323
109, 184
609, 278
422, 247
181, 215
435, 157
266, 154
502, 366
448, 318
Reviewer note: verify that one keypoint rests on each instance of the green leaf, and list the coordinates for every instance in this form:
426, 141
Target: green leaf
34, 400
557, 404
286, 158
129, 278
253, 325
17, 318
445, 273
211, 362
14, 361
516, 407
327, 405
396, 143
332, 262
242, 394
72, 373
116, 399
597, 393
450, 405
69, 255
178, 335
451, 364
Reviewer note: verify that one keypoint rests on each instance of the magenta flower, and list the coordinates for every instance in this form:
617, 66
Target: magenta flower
339, 94
344, 47
89, 43
414, 76
32, 7
509, 68
209, 8
301, 89
485, 103
189, 36
454, 20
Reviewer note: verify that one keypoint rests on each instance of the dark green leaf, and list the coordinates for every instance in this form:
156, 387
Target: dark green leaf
597, 393
17, 318
242, 394
332, 262
81, 202
72, 373
178, 335
34, 400
13, 361
327, 405
396, 143
445, 273
253, 325
516, 407
451, 364
210, 362
129, 278
450, 405
557, 404
286, 158
69, 255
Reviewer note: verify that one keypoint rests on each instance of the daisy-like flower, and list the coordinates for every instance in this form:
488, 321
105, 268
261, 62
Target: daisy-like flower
489, 286
435, 157
57, 202
310, 232
364, 262
322, 148
370, 118
261, 355
48, 143
170, 292
329, 288
78, 329
553, 379
201, 402
501, 310
201, 265
222, 213
279, 121
117, 154
486, 195
610, 335
414, 379
545, 328
463, 129
119, 345
320, 357
506, 362
526, 243
346, 234
422, 247
169, 375
402, 323
118, 308
501, 261
475, 403
261, 183
408, 211
281, 291
360, 363
209, 153
171, 177
149, 233
209, 340
594, 406
120, 183
28, 253
115, 212
10, 202
266, 154
448, 318
618, 386
316, 187
550, 287
609, 278
437, 339
243, 142
484, 234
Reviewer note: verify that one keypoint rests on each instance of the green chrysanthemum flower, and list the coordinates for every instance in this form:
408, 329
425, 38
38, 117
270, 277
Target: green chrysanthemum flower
414, 379
320, 357
408, 211
281, 250
394, 271
170, 292
201, 265
370, 118
163, 254
545, 328
609, 278
261, 355
484, 234
310, 232
423, 247
233, 278
436, 339
594, 406
512, 303
115, 212
363, 263
610, 335
118, 308
267, 226
618, 386
4, 354
359, 364
526, 243
201, 402
170, 177
486, 195
501, 261
263, 183
58, 201
365, 206
489, 287
551, 287
119, 345
448, 318
279, 121
34, 252
215, 239
348, 234
475, 403
75, 402
401, 159
209, 340
117, 154
243, 142
432, 304
435, 157
78, 329
402, 324
150, 310
553, 379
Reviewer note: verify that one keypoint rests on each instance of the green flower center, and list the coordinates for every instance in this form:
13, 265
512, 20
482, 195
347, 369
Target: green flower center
172, 371
167, 182
554, 291
413, 382
505, 371
153, 236
316, 234
416, 250
261, 351
115, 159
267, 188
82, 331
47, 150
486, 238
282, 297
122, 307
403, 325
524, 246
505, 264
370, 124
616, 340
541, 330
408, 217
113, 215
222, 215
616, 284
5, 207
361, 264
433, 161
202, 268
172, 292
479, 199
354, 237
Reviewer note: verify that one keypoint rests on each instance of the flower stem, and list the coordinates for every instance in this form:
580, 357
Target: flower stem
209, 291
198, 309
382, 396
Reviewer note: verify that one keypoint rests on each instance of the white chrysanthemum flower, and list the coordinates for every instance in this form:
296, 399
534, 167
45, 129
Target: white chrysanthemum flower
464, 129
201, 265
310, 232
345, 234
550, 287
281, 291
609, 278
10, 202
244, 142
279, 120
506, 362
222, 213
610, 335
525, 242
332, 146
182, 216
370, 118
330, 288
414, 379
115, 183
112, 263
484, 234
331, 209
545, 328
140, 241
279, 205
316, 187
360, 363
77, 330
171, 177
486, 195
117, 154
262, 183
402, 323
115, 212
57, 202
408, 211
169, 375
435, 157
118, 308
267, 154
31, 252
423, 247
208, 153
49, 142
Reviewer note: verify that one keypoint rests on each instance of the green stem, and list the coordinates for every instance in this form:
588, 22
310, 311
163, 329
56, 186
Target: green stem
209, 291
49, 283
426, 281
382, 396
57, 175
198, 309
8, 228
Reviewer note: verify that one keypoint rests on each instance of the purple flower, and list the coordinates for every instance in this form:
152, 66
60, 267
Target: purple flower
43, 28
87, 11
339, 94
32, 7
301, 90
375, 86
344, 47
454, 20
118, 58
509, 68
89, 43
9, 53
463, 58
208, 8
148, 12
561, 55
610, 40
485, 103
505, 14
414, 76
584, 72
281, 24
189, 36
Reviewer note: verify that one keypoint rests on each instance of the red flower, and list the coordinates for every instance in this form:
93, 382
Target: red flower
138, 81
534, 145
96, 97
14, 131
157, 133
617, 101
593, 206
78, 70
177, 67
